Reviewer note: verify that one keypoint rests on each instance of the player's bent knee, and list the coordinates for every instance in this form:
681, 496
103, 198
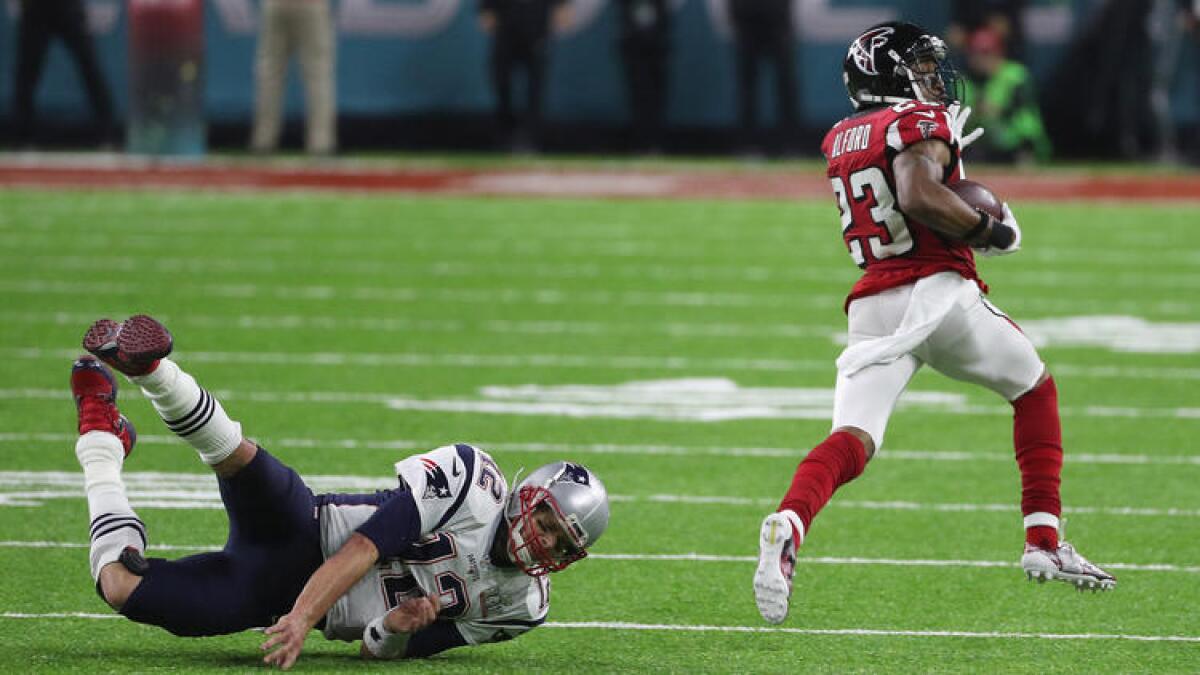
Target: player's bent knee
1042, 378
862, 436
116, 584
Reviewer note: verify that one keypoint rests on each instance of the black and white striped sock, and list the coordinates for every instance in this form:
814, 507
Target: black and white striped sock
112, 533
190, 411
114, 523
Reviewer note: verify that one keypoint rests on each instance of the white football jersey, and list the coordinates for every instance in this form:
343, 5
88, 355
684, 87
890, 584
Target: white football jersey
460, 495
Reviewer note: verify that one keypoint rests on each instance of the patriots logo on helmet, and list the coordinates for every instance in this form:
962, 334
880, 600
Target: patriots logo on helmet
863, 49
927, 128
573, 473
437, 486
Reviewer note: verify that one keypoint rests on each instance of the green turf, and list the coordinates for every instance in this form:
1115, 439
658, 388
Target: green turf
438, 298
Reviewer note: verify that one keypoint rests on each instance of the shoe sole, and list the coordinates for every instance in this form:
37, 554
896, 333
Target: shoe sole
129, 346
771, 590
1081, 582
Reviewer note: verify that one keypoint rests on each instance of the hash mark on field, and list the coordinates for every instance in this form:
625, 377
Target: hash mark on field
684, 451
699, 628
708, 558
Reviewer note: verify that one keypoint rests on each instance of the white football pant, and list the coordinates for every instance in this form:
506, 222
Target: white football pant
974, 342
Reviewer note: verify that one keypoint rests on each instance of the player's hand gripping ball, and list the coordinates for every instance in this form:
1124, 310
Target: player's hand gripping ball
982, 199
979, 197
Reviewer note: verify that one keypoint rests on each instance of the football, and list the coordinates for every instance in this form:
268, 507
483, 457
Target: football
978, 196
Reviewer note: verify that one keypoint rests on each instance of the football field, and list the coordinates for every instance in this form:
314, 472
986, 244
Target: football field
683, 350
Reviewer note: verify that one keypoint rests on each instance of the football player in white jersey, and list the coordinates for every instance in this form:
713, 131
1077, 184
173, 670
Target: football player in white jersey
449, 557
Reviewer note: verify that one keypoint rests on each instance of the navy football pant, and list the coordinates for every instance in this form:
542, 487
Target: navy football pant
272, 550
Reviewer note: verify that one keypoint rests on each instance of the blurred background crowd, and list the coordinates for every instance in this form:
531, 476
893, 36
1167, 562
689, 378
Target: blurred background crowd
1052, 78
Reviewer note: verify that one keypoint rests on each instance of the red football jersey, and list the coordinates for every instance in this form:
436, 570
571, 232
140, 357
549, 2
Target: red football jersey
893, 249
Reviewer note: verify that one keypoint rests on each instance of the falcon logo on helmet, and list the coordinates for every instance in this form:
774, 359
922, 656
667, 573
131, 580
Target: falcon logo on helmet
863, 49
914, 67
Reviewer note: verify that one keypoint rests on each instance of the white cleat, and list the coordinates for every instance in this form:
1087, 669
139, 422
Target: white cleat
1065, 564
776, 564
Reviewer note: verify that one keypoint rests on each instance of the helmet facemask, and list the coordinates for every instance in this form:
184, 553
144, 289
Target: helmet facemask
525, 546
931, 75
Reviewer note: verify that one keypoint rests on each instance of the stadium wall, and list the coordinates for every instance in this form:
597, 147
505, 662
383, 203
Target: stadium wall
425, 59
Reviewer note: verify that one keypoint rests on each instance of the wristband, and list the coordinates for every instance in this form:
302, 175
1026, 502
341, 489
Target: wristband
973, 235
381, 642
1001, 236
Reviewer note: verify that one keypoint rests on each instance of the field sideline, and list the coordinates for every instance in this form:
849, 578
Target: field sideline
675, 329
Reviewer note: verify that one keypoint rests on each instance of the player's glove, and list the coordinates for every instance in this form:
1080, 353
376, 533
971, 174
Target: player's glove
958, 117
1004, 238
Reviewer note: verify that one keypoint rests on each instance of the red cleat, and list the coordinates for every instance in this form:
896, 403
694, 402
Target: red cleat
95, 391
133, 346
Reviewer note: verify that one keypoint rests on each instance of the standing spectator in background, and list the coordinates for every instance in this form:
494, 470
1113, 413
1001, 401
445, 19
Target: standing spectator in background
303, 28
1108, 111
645, 35
1003, 93
67, 19
1189, 16
763, 31
521, 31
1002, 16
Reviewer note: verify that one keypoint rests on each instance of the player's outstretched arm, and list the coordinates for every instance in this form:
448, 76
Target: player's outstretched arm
331, 580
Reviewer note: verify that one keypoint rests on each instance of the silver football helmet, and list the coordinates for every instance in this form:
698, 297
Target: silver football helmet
576, 499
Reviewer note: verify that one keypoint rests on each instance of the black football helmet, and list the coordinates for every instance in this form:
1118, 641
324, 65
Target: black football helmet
881, 67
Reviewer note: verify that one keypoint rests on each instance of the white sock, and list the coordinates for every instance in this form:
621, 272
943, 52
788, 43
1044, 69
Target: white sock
796, 523
114, 525
1042, 519
190, 411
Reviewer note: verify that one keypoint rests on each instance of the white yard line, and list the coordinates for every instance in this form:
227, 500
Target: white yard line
711, 451
1053, 304
699, 628
813, 407
836, 274
497, 326
887, 562
433, 360
58, 615
708, 558
410, 294
863, 632
1123, 334
152, 489
671, 364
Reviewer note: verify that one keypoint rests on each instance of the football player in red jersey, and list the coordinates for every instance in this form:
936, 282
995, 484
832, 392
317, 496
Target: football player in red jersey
919, 301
